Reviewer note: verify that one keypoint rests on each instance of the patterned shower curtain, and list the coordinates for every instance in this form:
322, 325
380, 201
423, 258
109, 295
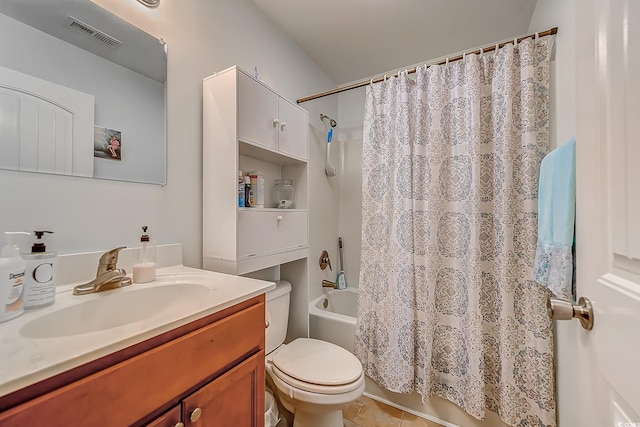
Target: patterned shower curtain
448, 304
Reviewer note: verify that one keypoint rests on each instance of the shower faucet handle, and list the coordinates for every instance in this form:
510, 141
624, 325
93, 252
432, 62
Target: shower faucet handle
325, 261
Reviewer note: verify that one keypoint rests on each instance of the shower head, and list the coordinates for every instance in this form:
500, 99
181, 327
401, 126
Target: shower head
332, 122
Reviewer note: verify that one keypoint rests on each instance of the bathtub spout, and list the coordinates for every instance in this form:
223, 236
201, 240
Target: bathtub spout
329, 284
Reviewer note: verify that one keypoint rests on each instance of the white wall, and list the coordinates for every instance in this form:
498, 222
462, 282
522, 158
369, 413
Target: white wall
323, 196
553, 13
351, 106
203, 37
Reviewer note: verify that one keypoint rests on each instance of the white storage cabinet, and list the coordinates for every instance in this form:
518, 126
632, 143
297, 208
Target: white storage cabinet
247, 126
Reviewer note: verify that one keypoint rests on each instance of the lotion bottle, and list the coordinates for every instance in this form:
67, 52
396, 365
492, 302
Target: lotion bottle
144, 270
40, 274
257, 189
11, 279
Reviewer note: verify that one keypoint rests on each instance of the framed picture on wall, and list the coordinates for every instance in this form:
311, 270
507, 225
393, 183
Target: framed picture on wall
107, 143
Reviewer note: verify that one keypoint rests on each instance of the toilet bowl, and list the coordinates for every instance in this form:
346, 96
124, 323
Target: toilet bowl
314, 379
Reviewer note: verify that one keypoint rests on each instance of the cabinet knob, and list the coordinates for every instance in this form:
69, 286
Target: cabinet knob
195, 415
282, 125
275, 122
279, 217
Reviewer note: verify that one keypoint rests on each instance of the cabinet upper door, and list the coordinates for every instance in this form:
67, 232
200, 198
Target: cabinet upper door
257, 113
294, 128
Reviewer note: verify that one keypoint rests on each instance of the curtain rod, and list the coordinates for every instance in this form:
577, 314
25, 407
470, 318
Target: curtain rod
488, 48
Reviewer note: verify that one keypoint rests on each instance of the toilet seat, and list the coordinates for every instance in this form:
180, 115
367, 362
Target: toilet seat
318, 367
315, 388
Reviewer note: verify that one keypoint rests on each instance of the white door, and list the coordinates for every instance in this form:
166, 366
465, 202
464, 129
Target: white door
607, 384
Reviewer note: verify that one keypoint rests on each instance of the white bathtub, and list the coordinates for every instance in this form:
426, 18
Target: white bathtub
332, 317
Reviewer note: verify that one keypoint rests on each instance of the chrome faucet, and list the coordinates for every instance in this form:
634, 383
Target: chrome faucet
107, 276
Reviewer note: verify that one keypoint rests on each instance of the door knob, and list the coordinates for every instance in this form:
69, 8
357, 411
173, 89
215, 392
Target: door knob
560, 309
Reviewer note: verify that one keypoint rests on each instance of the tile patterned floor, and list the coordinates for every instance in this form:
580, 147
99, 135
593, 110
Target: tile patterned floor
366, 412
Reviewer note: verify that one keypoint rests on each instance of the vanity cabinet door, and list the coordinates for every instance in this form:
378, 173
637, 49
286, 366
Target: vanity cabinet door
169, 419
234, 399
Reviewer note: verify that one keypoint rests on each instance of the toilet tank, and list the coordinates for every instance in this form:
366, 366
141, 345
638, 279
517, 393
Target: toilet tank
277, 315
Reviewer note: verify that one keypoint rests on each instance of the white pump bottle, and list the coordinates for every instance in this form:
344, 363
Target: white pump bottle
11, 279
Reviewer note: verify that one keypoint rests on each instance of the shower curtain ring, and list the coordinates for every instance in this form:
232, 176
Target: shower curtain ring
481, 52
446, 62
536, 36
371, 82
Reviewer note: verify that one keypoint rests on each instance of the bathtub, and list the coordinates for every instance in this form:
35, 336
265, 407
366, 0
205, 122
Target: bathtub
332, 317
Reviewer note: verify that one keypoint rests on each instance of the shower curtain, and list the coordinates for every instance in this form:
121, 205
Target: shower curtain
448, 304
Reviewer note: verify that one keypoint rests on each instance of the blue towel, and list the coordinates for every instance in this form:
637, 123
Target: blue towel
556, 220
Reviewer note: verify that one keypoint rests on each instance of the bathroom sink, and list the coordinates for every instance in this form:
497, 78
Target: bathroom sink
111, 309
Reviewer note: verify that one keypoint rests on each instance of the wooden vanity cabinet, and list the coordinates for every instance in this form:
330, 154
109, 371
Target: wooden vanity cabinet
224, 401
172, 418
207, 373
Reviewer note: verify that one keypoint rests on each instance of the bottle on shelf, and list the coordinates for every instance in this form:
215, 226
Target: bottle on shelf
247, 192
241, 192
257, 189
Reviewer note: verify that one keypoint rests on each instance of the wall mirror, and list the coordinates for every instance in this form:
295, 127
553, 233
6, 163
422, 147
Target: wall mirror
82, 92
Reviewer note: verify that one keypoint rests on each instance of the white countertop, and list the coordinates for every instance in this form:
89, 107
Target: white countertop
26, 360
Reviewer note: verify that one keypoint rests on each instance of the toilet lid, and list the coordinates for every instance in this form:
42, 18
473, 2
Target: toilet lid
318, 362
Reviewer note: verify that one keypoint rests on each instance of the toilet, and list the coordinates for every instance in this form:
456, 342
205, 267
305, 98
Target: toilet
314, 379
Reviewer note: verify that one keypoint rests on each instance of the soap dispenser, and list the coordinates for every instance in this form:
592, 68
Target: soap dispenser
144, 270
11, 279
40, 274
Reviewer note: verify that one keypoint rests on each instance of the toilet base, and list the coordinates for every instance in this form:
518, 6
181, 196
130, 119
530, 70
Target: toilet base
311, 409
315, 419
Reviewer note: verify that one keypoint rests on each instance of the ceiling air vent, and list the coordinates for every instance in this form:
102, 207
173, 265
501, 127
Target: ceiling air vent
88, 30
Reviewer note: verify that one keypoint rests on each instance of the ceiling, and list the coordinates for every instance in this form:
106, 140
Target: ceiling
356, 39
